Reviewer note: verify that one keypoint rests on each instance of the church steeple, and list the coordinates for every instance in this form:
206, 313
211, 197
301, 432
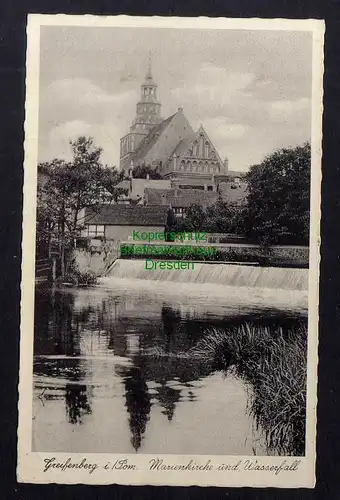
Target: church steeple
148, 114
148, 77
148, 108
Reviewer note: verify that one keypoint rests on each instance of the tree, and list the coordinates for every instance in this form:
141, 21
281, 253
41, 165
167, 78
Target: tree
278, 201
68, 189
194, 218
223, 217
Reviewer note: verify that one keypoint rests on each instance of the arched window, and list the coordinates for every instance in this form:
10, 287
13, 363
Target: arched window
206, 149
194, 166
195, 149
189, 166
201, 145
183, 165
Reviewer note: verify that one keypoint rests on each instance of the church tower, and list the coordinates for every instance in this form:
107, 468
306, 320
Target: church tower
148, 114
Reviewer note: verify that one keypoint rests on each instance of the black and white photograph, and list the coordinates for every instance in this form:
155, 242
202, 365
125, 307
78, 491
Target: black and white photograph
170, 251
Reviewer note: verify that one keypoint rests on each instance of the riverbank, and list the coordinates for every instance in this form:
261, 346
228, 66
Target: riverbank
273, 364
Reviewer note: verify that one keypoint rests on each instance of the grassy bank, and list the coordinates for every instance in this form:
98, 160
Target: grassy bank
273, 365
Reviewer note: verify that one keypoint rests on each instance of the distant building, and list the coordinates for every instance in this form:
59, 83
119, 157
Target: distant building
136, 189
186, 157
117, 222
179, 199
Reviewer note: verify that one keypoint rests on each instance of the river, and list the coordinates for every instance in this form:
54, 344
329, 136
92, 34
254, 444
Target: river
111, 375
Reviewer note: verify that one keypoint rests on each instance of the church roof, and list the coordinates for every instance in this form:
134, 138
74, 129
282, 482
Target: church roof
151, 139
183, 146
126, 215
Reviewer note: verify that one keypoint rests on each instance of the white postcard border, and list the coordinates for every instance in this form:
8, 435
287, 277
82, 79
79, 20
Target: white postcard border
31, 465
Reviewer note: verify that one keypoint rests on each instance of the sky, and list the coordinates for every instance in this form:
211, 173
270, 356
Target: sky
251, 90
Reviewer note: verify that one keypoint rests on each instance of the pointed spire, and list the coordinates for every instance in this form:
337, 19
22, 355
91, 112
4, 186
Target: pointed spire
149, 72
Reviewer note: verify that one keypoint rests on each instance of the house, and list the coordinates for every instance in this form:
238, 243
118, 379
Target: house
117, 222
136, 189
179, 199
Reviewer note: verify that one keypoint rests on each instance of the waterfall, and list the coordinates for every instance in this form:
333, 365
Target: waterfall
231, 275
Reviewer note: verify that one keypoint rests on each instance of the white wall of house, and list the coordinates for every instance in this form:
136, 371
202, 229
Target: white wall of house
124, 233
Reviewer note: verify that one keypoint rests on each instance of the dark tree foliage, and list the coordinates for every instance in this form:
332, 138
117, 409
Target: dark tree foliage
194, 219
278, 202
224, 217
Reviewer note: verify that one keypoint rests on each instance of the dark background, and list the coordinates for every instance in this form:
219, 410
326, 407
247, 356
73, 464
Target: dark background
12, 98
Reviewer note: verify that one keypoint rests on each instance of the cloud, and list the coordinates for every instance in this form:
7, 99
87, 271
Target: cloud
283, 110
83, 109
250, 89
105, 136
212, 87
222, 129
81, 99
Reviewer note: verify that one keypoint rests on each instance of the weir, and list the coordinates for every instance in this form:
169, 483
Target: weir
230, 275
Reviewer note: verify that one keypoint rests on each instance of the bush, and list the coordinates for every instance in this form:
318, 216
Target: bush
77, 277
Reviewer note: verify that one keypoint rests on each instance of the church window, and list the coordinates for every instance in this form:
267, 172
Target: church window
195, 149
189, 166
194, 166
207, 149
201, 145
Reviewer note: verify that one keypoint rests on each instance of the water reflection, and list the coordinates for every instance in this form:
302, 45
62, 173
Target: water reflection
138, 404
111, 374
77, 403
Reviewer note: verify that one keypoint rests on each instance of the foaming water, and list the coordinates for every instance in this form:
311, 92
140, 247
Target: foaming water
222, 274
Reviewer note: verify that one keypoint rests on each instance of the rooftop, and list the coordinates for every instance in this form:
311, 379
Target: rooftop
232, 193
180, 197
126, 215
151, 138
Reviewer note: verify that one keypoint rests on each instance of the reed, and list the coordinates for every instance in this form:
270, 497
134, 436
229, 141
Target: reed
273, 364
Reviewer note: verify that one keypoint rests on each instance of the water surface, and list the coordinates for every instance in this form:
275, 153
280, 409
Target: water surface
111, 375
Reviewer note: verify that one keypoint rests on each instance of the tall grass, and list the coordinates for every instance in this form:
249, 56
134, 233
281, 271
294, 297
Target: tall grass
273, 364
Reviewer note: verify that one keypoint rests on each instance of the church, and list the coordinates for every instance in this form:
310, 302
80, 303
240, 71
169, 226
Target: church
185, 157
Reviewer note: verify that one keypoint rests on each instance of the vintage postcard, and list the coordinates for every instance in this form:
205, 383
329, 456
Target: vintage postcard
170, 269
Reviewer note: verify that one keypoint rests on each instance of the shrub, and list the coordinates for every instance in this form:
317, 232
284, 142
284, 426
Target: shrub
77, 277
